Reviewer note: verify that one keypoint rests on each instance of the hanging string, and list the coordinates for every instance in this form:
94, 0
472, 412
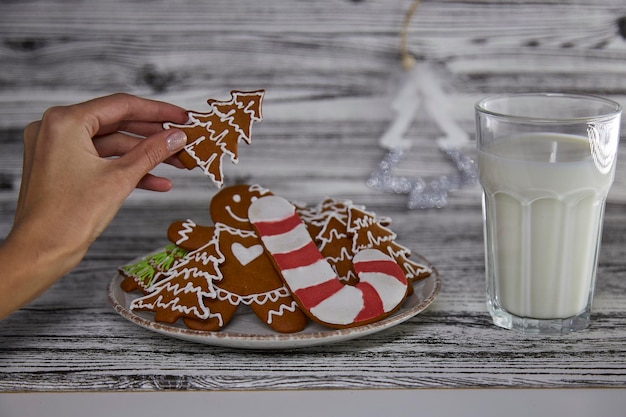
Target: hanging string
407, 60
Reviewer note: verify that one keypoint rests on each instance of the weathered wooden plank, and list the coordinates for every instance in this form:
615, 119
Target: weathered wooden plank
58, 52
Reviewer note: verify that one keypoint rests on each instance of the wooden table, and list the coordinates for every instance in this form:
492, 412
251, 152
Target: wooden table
331, 71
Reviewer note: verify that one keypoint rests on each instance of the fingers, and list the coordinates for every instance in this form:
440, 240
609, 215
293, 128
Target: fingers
153, 183
123, 111
141, 128
147, 154
115, 144
118, 144
30, 138
96, 126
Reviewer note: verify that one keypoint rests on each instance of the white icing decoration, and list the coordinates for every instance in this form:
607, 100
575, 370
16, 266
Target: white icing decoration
414, 269
281, 311
188, 226
373, 241
173, 305
340, 308
199, 311
259, 298
367, 219
316, 273
389, 290
289, 241
205, 165
232, 214
243, 135
350, 277
257, 189
245, 255
343, 256
333, 235
253, 189
221, 227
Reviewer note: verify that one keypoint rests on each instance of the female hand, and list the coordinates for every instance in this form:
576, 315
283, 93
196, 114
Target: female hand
80, 164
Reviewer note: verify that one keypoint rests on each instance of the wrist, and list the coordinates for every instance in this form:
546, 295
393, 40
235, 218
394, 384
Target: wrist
31, 263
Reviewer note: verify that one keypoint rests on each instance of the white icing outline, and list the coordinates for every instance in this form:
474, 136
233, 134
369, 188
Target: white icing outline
232, 214
246, 254
333, 232
281, 311
257, 298
188, 226
252, 189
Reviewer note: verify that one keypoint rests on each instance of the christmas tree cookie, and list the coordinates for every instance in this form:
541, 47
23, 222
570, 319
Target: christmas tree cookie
219, 131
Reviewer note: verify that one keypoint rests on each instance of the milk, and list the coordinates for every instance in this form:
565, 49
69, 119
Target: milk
543, 202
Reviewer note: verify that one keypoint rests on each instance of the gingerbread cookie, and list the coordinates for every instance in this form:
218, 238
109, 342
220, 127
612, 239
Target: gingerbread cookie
182, 290
140, 275
233, 269
341, 229
382, 286
368, 233
335, 262
218, 132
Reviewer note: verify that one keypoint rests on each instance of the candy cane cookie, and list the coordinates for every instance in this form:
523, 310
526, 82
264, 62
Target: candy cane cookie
382, 285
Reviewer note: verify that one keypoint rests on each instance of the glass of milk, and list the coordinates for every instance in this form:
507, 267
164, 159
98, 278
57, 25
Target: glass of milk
546, 163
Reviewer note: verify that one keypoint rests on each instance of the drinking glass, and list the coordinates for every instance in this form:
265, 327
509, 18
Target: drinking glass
546, 163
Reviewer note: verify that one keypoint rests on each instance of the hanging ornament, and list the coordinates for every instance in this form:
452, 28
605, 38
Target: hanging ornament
420, 89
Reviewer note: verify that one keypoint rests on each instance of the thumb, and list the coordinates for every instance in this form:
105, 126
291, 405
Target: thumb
152, 151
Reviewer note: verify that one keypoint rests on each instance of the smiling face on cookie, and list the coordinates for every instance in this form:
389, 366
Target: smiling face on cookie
230, 205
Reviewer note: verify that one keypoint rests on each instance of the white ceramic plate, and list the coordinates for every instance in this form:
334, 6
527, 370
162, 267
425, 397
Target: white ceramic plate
246, 331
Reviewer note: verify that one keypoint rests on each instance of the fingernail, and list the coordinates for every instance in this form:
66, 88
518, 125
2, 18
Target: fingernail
176, 140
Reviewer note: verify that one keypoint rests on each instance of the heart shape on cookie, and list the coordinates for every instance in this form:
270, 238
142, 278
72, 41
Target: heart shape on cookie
246, 255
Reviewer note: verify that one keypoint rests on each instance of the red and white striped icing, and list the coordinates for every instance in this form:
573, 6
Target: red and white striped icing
313, 282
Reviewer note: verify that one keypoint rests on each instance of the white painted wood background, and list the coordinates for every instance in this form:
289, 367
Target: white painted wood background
330, 69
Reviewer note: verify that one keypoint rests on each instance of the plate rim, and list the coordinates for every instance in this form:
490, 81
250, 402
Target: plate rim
275, 340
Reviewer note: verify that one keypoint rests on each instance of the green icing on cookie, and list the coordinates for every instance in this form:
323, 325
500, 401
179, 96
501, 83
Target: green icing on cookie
146, 268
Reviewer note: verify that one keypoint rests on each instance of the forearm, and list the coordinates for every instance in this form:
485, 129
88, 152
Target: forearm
30, 265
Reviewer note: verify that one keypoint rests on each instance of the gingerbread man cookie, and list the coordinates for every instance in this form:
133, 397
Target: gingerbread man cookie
244, 273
